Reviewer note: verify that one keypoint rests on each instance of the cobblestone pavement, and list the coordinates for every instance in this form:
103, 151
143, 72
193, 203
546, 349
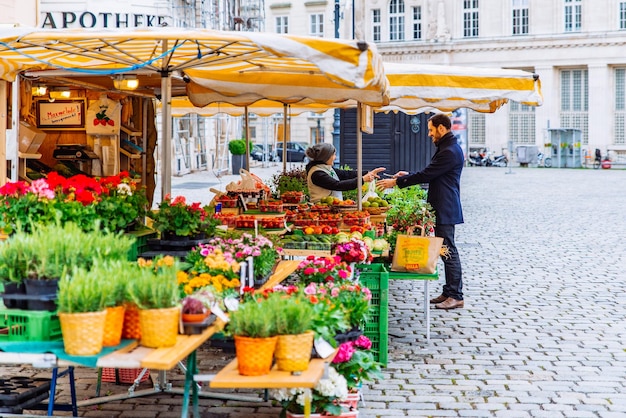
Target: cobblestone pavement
543, 330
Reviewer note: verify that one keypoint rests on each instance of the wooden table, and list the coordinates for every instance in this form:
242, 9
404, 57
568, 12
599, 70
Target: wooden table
131, 356
229, 377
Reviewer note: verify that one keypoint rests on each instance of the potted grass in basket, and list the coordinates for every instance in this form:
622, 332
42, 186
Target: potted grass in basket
81, 302
154, 290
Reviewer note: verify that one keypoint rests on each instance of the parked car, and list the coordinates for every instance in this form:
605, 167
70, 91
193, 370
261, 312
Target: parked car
257, 153
295, 152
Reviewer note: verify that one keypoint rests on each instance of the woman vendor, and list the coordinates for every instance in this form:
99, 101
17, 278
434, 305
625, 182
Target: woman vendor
323, 180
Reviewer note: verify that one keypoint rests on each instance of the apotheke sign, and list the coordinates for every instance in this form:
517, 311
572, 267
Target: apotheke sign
87, 19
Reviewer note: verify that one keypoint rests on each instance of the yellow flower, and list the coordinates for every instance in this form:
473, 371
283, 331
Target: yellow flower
182, 277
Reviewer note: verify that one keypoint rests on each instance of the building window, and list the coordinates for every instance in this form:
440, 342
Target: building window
622, 15
521, 123
573, 15
317, 134
282, 24
520, 17
575, 101
396, 20
470, 18
417, 22
476, 129
620, 107
376, 25
316, 27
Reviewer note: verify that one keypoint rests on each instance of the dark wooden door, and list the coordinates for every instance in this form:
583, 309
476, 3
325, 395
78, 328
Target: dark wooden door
399, 142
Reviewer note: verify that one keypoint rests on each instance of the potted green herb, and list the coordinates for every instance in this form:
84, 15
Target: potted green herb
41, 257
81, 303
237, 148
253, 326
154, 290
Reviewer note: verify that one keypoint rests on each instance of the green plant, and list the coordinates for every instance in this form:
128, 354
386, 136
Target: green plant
255, 318
177, 217
293, 180
114, 275
81, 290
50, 250
355, 361
296, 310
154, 285
326, 396
238, 146
115, 201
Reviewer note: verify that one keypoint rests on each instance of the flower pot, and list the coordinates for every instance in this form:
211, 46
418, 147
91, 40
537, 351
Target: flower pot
237, 163
43, 294
83, 332
350, 414
254, 355
194, 318
293, 352
352, 402
113, 326
159, 327
131, 328
14, 289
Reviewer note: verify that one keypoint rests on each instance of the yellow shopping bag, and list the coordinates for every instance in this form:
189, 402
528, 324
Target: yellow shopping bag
416, 253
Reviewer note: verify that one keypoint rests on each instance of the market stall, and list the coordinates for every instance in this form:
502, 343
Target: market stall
158, 57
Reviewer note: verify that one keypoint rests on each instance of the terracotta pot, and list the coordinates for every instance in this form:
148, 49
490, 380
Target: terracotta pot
194, 317
254, 355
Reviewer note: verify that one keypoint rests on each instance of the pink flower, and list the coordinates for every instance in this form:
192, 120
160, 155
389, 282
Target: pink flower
311, 289
363, 342
309, 270
343, 274
344, 353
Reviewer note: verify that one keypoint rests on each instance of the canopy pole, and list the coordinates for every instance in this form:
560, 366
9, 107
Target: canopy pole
359, 156
247, 131
166, 131
284, 158
4, 87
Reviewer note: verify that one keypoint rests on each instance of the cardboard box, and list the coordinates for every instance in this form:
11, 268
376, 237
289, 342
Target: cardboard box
31, 138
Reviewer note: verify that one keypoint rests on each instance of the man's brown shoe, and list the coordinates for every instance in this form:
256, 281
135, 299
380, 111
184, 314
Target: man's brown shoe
450, 303
438, 299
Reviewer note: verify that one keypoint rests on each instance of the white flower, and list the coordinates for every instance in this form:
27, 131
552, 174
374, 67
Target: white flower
124, 189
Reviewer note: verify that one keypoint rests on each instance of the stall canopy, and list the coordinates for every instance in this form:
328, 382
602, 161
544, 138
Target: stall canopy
159, 55
415, 88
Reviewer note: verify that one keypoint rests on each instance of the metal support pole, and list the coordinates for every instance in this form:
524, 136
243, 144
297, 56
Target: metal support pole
336, 115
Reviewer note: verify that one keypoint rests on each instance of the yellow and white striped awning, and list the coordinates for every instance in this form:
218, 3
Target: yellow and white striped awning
274, 58
181, 106
415, 88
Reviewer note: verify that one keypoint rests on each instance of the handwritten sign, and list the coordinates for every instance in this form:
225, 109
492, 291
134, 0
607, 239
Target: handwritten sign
61, 114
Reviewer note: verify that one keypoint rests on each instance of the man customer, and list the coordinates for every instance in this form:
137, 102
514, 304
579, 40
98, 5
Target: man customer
443, 176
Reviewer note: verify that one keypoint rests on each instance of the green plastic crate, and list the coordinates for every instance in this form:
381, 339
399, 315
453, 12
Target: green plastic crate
376, 278
141, 242
20, 325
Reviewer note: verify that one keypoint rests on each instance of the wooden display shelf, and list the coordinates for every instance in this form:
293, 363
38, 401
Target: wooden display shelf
229, 377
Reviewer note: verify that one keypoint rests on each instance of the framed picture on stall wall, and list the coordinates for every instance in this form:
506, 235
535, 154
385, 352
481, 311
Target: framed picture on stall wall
61, 114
